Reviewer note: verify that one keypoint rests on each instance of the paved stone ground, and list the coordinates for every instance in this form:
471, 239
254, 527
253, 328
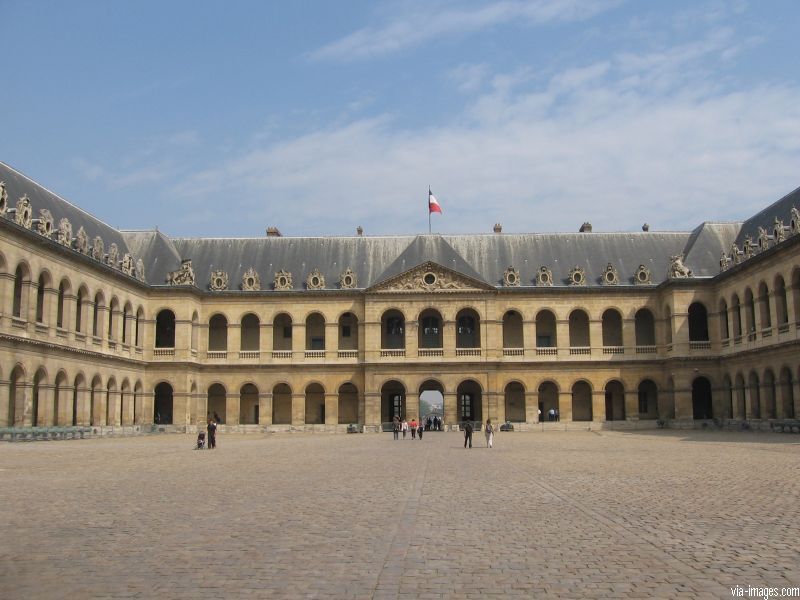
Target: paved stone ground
560, 515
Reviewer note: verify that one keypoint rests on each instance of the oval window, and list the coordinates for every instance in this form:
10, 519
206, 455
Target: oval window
429, 278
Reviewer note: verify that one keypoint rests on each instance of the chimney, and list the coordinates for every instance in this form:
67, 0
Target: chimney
274, 232
498, 228
646, 227
586, 228
360, 231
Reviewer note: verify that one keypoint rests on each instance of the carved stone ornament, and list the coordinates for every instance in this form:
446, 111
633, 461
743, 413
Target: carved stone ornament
511, 277
127, 265
723, 263
45, 223
140, 270
764, 239
219, 281
678, 270
736, 256
251, 282
642, 276
98, 248
82, 241
113, 255
64, 233
347, 280
779, 231
610, 275
3, 198
24, 213
282, 280
182, 276
315, 280
428, 280
794, 222
749, 249
577, 276
544, 276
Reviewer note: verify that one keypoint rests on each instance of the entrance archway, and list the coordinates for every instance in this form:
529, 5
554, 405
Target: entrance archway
348, 403
216, 401
515, 402
393, 401
701, 399
162, 406
469, 401
282, 404
615, 401
315, 404
648, 399
431, 403
248, 404
548, 400
581, 401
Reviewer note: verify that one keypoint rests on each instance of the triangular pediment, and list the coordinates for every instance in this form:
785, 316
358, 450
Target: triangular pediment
431, 277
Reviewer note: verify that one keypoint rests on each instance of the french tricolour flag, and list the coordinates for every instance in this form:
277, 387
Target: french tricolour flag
433, 204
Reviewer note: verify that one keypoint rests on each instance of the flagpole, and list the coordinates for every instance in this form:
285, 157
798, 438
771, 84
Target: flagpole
429, 210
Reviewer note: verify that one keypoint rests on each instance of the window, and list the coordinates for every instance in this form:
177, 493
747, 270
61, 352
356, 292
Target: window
466, 407
317, 343
346, 331
287, 332
544, 341
394, 326
430, 326
466, 325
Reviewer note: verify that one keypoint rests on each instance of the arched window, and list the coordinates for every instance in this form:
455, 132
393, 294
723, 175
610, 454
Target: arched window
282, 335
736, 318
19, 305
579, 329
612, 328
763, 305
63, 288
698, 322
113, 313
546, 334
138, 327
126, 317
393, 327
250, 333
724, 331
315, 332
218, 333
98, 306
41, 290
781, 306
348, 332
468, 329
750, 314
645, 326
165, 329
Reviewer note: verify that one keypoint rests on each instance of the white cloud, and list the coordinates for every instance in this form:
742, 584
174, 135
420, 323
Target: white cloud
427, 21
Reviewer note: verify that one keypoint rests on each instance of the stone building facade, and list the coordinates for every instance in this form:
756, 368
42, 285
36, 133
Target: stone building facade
123, 329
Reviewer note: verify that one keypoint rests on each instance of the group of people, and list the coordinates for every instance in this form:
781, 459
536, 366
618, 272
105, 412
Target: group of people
398, 425
552, 415
488, 431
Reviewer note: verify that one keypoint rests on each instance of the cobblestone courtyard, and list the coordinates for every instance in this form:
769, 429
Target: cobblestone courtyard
567, 514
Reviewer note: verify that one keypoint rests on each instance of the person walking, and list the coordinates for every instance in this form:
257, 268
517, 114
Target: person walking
396, 427
212, 434
468, 434
413, 429
421, 429
404, 427
489, 431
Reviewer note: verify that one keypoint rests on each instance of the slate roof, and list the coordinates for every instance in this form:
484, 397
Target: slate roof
483, 257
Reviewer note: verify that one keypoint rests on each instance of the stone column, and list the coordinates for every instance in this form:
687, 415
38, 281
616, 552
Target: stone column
331, 409
331, 346
489, 408
683, 398
450, 408
44, 408
531, 406
232, 408
265, 342
448, 339
265, 408
299, 405
371, 408
565, 406
629, 336
562, 335
6, 298
529, 336
598, 406
183, 338
299, 343
4, 396
234, 340
596, 337
412, 406
632, 405
796, 396
412, 340
51, 309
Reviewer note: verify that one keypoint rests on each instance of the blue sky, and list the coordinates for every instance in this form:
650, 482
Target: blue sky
223, 118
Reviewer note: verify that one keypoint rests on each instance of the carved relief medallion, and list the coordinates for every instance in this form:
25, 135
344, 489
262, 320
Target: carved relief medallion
315, 280
45, 223
610, 275
642, 276
251, 282
544, 276
3, 198
347, 280
219, 281
511, 277
127, 265
283, 280
577, 276
24, 213
82, 241
64, 235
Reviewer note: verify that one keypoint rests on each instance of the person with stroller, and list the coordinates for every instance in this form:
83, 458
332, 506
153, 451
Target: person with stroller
201, 440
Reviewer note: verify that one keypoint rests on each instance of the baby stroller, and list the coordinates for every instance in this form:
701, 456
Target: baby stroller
201, 440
